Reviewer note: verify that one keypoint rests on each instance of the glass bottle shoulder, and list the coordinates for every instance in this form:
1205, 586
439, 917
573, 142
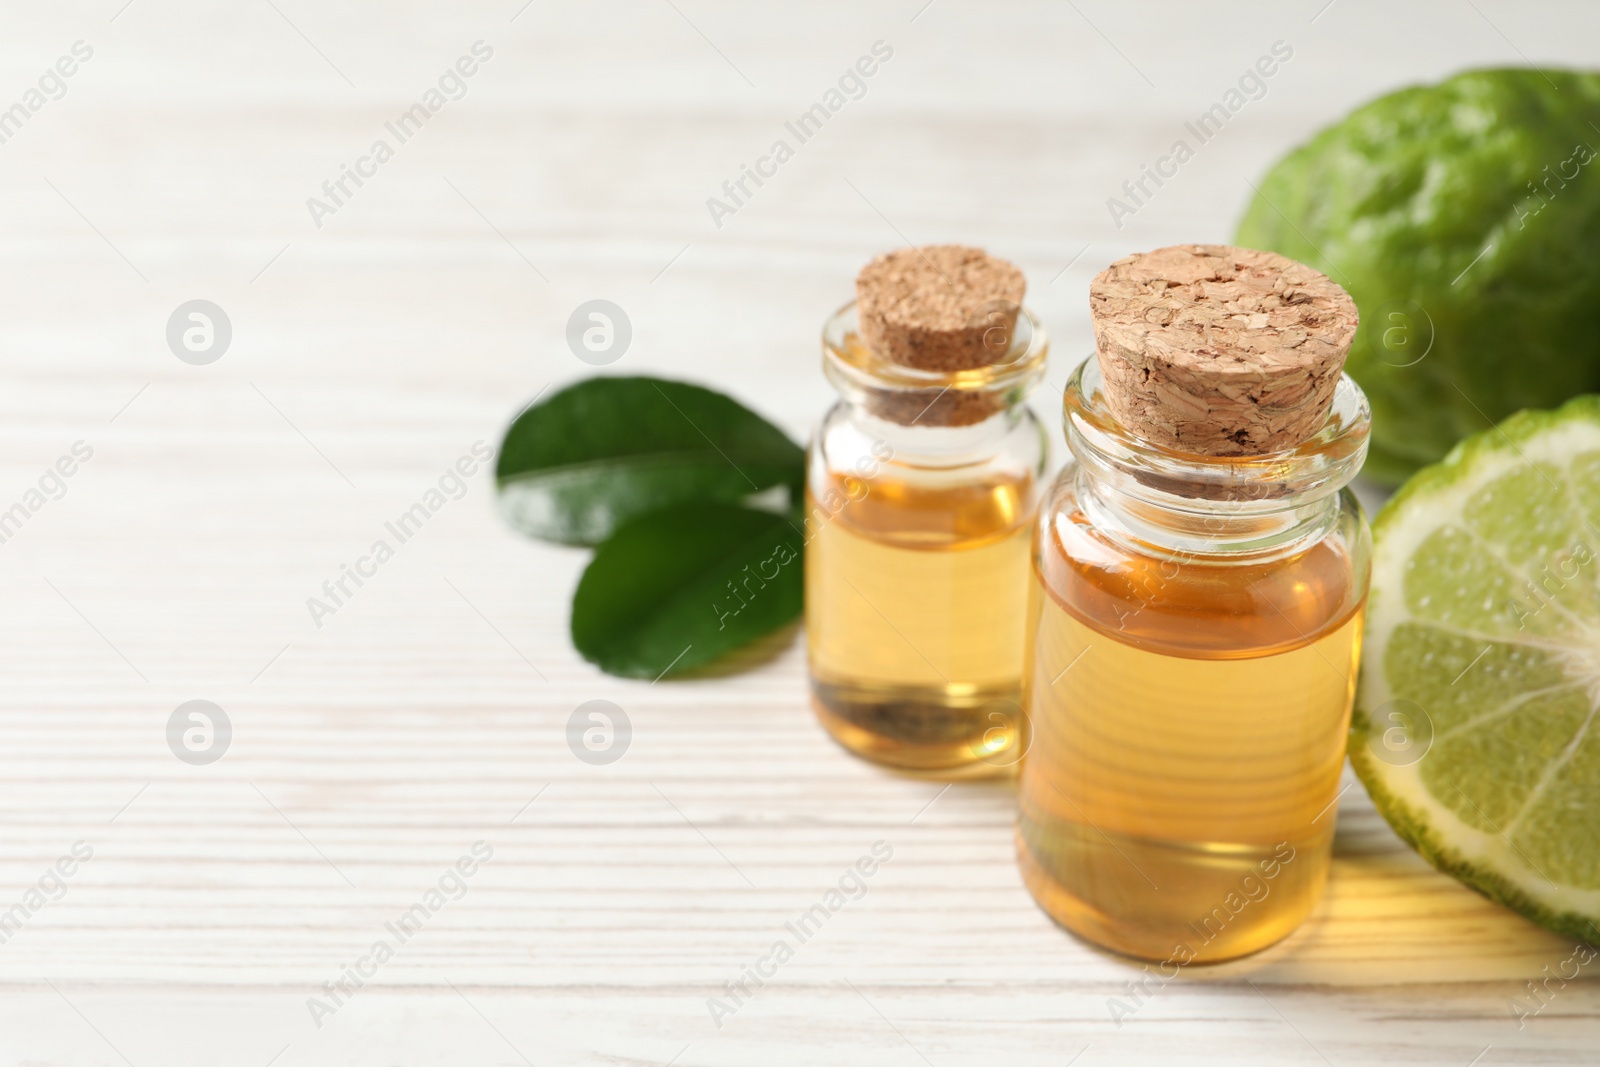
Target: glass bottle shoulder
935, 488
1212, 606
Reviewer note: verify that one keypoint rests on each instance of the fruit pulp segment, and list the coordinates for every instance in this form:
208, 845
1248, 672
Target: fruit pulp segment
1177, 797
915, 613
1475, 727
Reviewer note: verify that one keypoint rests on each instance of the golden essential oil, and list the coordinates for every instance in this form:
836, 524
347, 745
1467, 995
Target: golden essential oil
1188, 726
917, 607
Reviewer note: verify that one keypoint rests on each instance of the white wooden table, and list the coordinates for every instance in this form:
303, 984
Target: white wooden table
430, 711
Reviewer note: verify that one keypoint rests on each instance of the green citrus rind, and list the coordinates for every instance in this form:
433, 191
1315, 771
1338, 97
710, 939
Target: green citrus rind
1435, 498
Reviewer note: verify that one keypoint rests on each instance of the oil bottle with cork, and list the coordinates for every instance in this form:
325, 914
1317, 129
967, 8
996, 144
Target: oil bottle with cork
1199, 577
922, 487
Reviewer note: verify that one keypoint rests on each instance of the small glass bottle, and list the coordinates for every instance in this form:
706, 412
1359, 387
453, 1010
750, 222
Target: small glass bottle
922, 487
1195, 621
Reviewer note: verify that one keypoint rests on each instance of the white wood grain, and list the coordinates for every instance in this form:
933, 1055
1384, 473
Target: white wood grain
370, 753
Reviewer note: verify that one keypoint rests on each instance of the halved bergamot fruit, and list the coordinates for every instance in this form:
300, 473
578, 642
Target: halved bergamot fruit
1474, 728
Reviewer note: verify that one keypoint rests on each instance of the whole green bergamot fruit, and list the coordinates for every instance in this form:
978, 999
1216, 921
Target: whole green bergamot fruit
1464, 218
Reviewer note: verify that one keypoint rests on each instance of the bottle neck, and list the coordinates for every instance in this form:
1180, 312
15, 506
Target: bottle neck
1186, 528
934, 411
1167, 503
935, 445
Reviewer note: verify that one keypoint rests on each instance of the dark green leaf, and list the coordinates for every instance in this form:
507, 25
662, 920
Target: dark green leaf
577, 466
677, 588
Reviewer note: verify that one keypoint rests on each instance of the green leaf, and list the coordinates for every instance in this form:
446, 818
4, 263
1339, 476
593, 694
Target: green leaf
678, 588
577, 466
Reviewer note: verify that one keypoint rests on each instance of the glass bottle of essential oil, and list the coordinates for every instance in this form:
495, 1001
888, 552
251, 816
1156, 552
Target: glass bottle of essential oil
1199, 578
922, 488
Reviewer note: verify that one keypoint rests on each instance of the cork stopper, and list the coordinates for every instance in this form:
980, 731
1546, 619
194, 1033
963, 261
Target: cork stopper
1219, 351
939, 308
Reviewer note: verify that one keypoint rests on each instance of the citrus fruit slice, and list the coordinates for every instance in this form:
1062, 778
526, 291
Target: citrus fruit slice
1475, 724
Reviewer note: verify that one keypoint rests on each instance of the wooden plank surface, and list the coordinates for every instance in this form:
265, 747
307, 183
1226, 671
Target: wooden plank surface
430, 711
